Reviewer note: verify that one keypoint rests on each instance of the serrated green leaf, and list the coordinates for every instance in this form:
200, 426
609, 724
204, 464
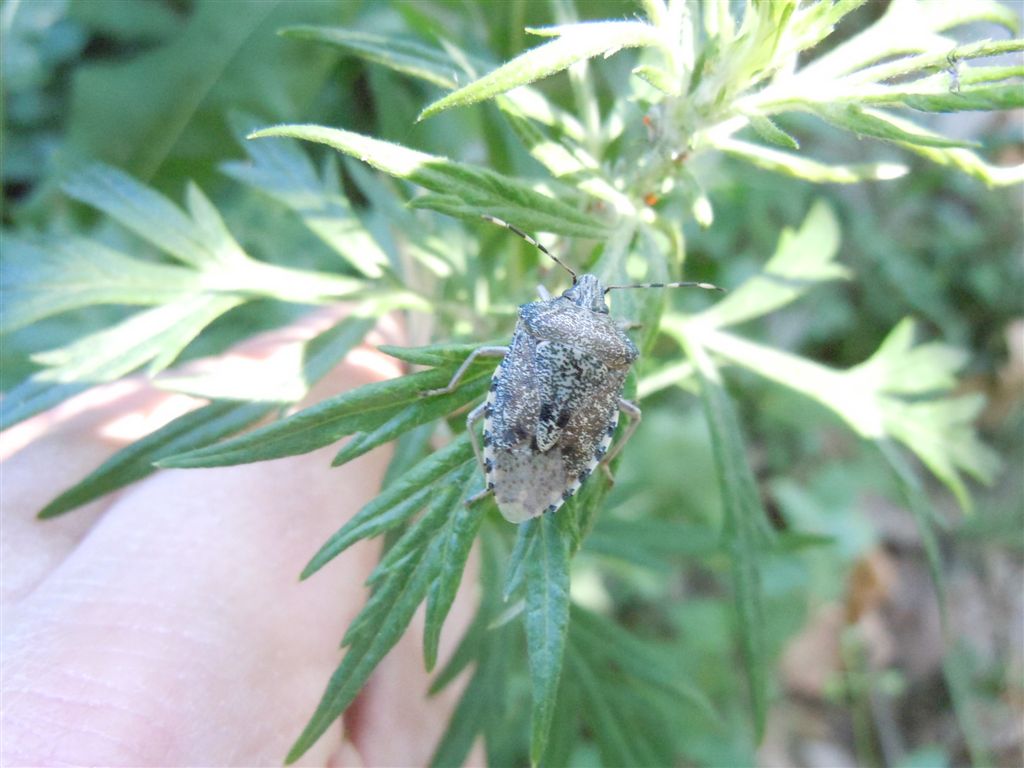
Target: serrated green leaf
478, 639
134, 462
362, 657
396, 503
442, 68
45, 278
547, 623
802, 259
575, 42
479, 710
939, 430
359, 410
429, 409
480, 189
458, 536
439, 510
744, 526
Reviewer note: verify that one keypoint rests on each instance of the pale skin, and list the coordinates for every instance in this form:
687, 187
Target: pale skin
166, 626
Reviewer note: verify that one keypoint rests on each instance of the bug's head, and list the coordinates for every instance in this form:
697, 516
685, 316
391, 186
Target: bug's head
588, 292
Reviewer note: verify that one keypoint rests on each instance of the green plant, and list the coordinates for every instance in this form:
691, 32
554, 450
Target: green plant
625, 168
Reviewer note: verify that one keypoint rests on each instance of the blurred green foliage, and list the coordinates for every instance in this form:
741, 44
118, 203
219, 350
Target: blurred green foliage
738, 512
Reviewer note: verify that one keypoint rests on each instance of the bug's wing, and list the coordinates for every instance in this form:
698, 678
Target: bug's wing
556, 366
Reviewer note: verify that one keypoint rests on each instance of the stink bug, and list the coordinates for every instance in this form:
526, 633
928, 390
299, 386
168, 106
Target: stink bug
555, 398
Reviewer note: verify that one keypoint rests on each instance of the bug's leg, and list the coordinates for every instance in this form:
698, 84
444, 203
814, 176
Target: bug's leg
543, 293
634, 414
474, 416
481, 352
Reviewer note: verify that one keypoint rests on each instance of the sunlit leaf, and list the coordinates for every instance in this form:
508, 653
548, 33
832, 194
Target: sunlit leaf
811, 170
479, 189
574, 43
154, 337
283, 171
42, 278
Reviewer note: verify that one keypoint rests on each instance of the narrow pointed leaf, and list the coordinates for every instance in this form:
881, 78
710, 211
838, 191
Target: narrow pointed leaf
362, 409
803, 259
880, 125
574, 43
433, 355
430, 409
476, 187
640, 660
457, 539
282, 170
396, 503
362, 658
142, 210
515, 569
134, 462
610, 733
547, 623
770, 132
441, 507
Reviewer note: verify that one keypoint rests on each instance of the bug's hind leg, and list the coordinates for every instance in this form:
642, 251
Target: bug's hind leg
474, 416
461, 371
634, 414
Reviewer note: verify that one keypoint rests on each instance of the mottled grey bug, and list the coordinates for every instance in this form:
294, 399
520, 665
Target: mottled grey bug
554, 401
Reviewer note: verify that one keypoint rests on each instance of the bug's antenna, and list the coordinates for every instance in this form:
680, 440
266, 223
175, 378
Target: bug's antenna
705, 286
530, 240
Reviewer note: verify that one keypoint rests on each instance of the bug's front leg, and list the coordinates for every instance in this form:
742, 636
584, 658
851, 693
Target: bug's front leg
457, 376
634, 414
